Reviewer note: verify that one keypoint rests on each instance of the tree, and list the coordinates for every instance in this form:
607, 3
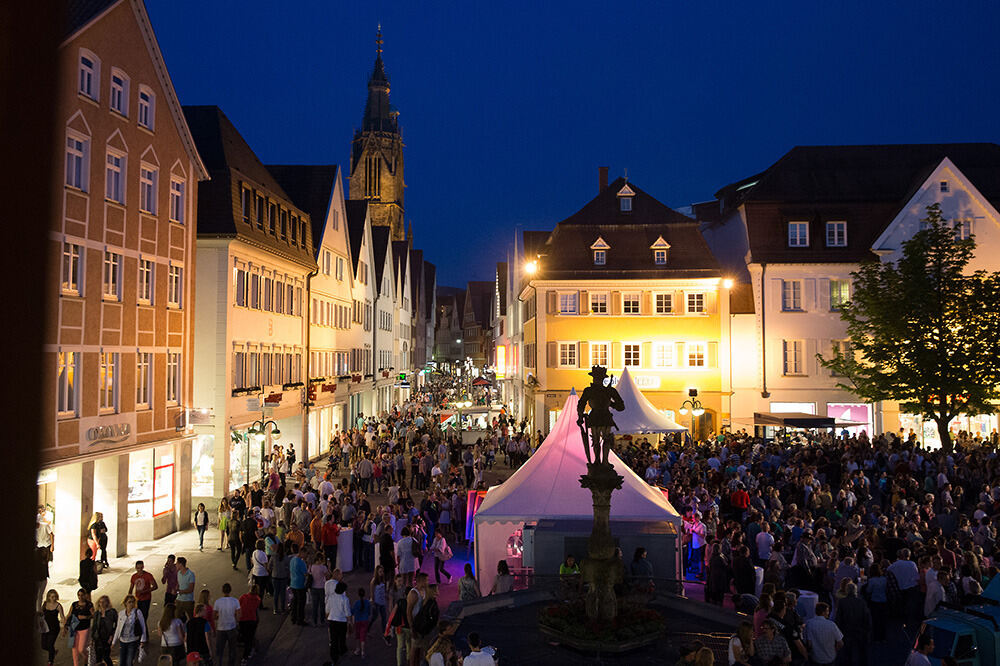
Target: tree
924, 332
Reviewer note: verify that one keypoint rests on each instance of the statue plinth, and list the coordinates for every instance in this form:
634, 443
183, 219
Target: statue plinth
601, 570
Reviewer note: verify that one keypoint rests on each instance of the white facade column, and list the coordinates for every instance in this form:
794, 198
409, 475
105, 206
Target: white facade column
74, 504
110, 500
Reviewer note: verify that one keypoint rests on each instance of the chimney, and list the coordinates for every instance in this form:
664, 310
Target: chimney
602, 179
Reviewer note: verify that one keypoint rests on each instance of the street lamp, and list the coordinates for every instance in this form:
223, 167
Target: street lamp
696, 409
258, 431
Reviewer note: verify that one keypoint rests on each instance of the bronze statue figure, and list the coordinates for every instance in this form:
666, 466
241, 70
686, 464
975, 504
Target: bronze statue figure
601, 397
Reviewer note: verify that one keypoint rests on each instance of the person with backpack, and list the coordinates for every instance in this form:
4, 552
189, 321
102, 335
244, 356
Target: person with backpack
422, 614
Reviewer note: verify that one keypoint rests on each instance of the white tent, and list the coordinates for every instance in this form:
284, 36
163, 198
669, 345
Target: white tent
640, 416
548, 486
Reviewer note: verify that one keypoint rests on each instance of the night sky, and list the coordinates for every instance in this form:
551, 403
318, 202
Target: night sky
508, 108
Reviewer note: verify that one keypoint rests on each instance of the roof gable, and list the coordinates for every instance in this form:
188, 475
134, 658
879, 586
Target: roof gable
600, 244
357, 220
604, 209
311, 188
660, 244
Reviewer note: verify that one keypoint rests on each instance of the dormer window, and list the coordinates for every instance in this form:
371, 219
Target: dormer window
625, 198
944, 186
600, 249
660, 249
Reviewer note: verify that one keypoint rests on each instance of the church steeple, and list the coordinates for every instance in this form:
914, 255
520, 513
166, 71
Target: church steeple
377, 153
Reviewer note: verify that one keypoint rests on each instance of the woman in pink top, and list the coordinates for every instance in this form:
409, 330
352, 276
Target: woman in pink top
319, 572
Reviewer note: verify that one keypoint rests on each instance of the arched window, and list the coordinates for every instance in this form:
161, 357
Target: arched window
90, 75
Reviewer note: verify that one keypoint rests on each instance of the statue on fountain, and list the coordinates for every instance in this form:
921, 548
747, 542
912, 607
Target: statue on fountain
602, 397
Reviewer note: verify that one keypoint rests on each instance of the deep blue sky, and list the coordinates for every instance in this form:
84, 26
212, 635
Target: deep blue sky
507, 108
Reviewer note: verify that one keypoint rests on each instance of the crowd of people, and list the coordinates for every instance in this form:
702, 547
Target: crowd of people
285, 530
851, 534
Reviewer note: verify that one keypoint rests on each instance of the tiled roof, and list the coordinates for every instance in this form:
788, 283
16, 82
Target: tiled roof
605, 209
380, 242
80, 12
502, 285
310, 187
741, 298
430, 288
479, 295
357, 212
399, 253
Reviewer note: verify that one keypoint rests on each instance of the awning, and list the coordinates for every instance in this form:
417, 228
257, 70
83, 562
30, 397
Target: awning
793, 420
481, 382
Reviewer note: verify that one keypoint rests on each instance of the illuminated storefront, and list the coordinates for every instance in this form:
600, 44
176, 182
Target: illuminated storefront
981, 425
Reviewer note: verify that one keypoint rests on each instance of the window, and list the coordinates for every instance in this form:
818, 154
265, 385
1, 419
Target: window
600, 257
143, 374
173, 377
114, 180
239, 370
599, 303
66, 393
373, 176
77, 158
268, 294
696, 354
632, 355
963, 229
147, 107
259, 211
791, 295
254, 291
567, 354
696, 303
279, 297
112, 276
664, 303
340, 268
625, 204
327, 259
295, 231
663, 354
568, 303
844, 348
793, 352
145, 281
147, 189
944, 186
241, 287
72, 269
630, 303
798, 234
119, 92
272, 218
177, 201
108, 385
599, 353
90, 75
246, 196
302, 233
660, 257
284, 224
836, 234
840, 293
175, 286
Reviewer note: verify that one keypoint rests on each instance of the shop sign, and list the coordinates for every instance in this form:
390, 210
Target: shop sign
329, 388
273, 399
647, 381
109, 434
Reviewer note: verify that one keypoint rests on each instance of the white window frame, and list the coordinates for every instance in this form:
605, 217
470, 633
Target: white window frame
793, 357
791, 296
111, 283
567, 354
625, 204
89, 76
670, 303
340, 269
143, 379
178, 200
68, 384
596, 354
147, 108
118, 97
626, 348
627, 299
108, 382
147, 275
71, 281
843, 294
175, 286
600, 257
696, 355
569, 302
795, 235
836, 233
173, 377
964, 229
663, 354
660, 257
599, 303
148, 177
115, 171
77, 160
695, 302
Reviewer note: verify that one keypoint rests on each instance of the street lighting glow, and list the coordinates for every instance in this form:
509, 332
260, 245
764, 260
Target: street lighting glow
531, 267
727, 283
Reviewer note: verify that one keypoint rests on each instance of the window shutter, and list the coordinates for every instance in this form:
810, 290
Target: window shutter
583, 355
550, 302
552, 354
775, 294
646, 355
809, 295
680, 304
711, 298
616, 360
644, 305
616, 302
680, 359
584, 303
823, 295
809, 363
713, 355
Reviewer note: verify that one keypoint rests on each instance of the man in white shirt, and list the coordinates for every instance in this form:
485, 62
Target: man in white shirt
823, 637
477, 657
227, 615
765, 542
925, 645
935, 592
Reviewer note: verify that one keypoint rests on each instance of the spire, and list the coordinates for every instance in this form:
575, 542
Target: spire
379, 115
378, 41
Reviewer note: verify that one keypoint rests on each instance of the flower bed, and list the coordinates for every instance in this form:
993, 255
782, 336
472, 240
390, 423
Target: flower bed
631, 629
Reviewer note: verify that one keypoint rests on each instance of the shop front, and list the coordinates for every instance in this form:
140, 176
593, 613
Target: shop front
982, 426
325, 423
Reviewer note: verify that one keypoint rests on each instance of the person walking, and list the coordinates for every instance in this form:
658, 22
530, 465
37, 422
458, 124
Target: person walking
224, 514
54, 617
338, 615
201, 524
88, 572
318, 575
198, 630
361, 613
227, 615
249, 605
78, 622
172, 635
142, 585
169, 579
407, 550
185, 589
259, 571
130, 632
99, 534
104, 624
235, 540
280, 577
442, 553
298, 569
